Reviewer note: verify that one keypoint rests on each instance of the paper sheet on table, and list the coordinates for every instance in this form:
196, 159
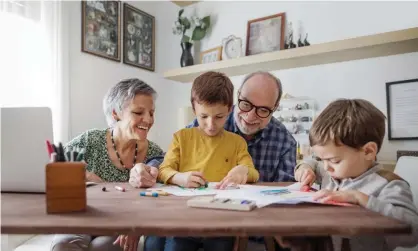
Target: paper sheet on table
264, 196
211, 190
180, 191
267, 195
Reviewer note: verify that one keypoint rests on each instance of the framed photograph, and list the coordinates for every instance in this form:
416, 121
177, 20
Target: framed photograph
402, 109
211, 55
265, 34
100, 31
139, 38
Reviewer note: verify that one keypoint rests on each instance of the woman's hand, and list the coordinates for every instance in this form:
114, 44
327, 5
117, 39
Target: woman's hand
93, 177
191, 179
349, 196
305, 175
143, 176
237, 175
127, 242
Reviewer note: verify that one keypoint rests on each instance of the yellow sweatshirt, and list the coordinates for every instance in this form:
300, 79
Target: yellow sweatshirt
192, 150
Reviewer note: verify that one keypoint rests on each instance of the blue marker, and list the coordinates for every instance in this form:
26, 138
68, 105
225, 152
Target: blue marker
275, 192
149, 194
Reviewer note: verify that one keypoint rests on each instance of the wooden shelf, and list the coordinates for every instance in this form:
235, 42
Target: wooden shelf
378, 45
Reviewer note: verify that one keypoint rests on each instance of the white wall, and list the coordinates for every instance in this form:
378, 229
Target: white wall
324, 21
327, 21
92, 76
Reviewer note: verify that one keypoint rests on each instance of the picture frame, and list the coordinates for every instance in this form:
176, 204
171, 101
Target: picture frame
138, 38
211, 55
101, 29
401, 153
265, 34
402, 109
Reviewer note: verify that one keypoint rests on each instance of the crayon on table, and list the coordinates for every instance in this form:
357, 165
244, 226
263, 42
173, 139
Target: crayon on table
149, 194
162, 193
307, 188
122, 189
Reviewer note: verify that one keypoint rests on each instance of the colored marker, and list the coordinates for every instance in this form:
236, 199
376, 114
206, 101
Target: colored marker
307, 188
49, 148
149, 194
122, 189
162, 193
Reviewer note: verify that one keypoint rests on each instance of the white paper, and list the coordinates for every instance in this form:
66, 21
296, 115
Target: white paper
267, 195
404, 110
180, 191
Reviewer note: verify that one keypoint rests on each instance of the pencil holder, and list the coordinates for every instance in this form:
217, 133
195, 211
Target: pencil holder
65, 187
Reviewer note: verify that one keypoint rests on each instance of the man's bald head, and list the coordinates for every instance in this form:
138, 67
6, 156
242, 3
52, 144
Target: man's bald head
263, 75
262, 90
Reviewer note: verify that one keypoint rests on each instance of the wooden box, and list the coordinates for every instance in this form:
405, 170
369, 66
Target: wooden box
65, 187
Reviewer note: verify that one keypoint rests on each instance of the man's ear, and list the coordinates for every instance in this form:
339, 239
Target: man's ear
115, 115
370, 150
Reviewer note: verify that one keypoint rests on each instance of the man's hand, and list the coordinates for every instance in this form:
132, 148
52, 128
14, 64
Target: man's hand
127, 242
237, 175
143, 176
305, 175
189, 179
349, 196
93, 177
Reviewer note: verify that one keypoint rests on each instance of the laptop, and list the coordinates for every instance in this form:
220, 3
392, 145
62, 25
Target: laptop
24, 131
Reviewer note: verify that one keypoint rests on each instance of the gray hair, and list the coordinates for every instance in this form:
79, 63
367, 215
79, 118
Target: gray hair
267, 74
124, 91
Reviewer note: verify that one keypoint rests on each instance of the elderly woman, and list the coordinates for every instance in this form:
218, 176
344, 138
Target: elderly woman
113, 153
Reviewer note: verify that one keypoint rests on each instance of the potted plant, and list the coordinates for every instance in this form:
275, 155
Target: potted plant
191, 29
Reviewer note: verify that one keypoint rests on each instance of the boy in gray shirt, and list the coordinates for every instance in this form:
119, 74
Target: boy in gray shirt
346, 138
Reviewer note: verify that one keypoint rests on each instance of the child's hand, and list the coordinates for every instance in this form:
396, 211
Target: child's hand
127, 242
349, 196
90, 176
305, 175
237, 175
189, 179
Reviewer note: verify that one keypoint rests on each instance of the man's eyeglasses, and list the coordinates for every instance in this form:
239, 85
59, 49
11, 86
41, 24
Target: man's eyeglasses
261, 111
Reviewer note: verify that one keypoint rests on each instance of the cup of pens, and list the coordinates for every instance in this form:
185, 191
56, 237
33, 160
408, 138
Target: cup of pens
65, 180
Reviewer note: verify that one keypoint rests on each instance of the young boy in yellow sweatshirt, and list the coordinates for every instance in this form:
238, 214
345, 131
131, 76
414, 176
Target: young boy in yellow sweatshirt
207, 153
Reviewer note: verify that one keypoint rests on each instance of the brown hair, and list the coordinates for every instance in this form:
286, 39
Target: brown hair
212, 88
352, 122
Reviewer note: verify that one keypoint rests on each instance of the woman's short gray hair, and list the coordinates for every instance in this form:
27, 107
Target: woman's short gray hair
118, 96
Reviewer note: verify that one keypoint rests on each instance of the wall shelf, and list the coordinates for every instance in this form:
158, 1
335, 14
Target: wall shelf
377, 45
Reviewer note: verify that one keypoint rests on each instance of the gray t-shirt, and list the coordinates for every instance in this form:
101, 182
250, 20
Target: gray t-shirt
389, 195
97, 158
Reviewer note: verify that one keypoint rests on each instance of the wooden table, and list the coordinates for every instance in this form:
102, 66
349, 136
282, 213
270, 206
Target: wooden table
114, 212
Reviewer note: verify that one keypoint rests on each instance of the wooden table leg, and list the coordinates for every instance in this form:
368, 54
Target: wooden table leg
241, 243
310, 243
324, 243
270, 246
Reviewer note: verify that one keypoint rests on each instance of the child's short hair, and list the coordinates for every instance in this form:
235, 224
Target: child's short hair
213, 88
352, 122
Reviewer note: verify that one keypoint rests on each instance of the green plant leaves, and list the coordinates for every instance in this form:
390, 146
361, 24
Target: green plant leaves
198, 34
206, 21
185, 22
185, 39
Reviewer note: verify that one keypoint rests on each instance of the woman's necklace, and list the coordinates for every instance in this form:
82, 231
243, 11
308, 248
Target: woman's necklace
117, 154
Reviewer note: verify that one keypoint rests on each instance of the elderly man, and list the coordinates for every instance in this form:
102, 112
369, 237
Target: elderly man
272, 147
